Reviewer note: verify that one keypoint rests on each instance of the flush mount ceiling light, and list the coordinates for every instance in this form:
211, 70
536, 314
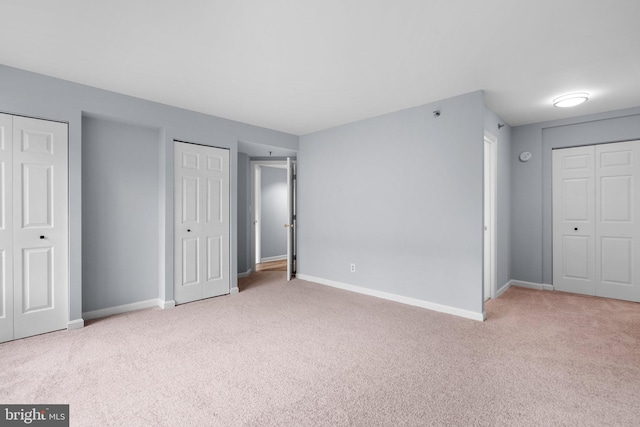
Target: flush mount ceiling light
571, 100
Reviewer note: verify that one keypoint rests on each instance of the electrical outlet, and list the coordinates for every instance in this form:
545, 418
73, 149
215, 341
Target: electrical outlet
353, 268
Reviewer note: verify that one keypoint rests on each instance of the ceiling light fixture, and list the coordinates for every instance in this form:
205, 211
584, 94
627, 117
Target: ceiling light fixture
571, 100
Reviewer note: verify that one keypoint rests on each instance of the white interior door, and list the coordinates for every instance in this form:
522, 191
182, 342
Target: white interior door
617, 228
488, 220
596, 235
201, 222
40, 224
6, 228
573, 220
291, 212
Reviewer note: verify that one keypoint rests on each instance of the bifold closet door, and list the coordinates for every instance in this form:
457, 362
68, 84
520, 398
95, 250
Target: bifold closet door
34, 226
617, 216
573, 220
596, 235
201, 222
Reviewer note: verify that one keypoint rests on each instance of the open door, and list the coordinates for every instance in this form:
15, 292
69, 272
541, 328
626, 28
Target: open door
291, 226
489, 255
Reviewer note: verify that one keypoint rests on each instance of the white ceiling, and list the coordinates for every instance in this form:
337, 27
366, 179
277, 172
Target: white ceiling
304, 65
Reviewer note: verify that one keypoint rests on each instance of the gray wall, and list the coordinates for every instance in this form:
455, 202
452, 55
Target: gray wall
503, 197
244, 213
273, 212
120, 221
35, 95
531, 232
400, 196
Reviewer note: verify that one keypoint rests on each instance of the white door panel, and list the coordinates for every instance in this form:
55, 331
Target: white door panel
37, 187
202, 222
617, 230
40, 212
573, 220
214, 201
576, 253
596, 244
576, 193
37, 279
616, 261
6, 228
291, 213
190, 261
190, 200
214, 258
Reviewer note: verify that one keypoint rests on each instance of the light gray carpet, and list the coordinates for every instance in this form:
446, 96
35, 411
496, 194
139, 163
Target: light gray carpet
302, 354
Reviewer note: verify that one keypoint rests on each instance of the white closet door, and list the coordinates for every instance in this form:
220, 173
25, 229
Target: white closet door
291, 212
6, 229
573, 220
617, 228
40, 223
201, 222
596, 235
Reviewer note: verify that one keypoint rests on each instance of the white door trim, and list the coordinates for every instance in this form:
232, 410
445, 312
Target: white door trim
490, 289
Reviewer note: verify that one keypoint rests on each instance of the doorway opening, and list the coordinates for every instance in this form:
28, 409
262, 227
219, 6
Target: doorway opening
271, 248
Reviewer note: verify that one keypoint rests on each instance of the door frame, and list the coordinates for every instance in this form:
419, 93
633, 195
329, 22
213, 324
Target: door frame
490, 258
255, 208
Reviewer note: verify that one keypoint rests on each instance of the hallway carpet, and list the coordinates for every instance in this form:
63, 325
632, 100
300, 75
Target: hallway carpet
302, 354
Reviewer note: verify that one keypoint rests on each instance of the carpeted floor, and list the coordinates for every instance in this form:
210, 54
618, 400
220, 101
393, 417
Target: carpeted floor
302, 354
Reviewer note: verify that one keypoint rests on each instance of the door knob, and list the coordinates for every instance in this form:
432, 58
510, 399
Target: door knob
576, 228
188, 230
42, 237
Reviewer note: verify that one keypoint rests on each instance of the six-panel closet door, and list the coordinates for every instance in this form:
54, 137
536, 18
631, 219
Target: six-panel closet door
33, 226
596, 230
201, 222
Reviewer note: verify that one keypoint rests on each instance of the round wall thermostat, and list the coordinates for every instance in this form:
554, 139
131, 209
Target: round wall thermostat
525, 156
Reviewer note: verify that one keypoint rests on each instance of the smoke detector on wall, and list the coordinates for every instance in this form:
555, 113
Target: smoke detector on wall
525, 156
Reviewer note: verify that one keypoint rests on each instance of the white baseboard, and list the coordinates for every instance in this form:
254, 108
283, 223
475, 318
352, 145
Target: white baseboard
273, 258
75, 324
166, 304
245, 274
234, 290
109, 311
397, 298
531, 285
503, 289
